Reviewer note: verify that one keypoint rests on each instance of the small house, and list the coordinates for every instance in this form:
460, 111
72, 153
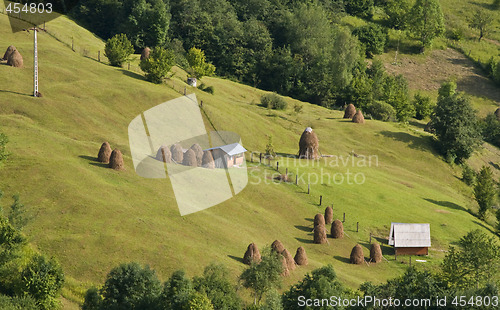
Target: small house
227, 156
410, 238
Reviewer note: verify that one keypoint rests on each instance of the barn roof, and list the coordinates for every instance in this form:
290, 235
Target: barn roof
230, 149
409, 235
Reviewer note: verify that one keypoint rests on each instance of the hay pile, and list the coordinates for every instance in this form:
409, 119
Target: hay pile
350, 111
145, 53
116, 160
320, 234
207, 161
104, 153
277, 246
9, 51
375, 253
357, 256
301, 257
309, 144
164, 154
282, 178
15, 59
290, 262
328, 215
358, 118
285, 272
319, 220
177, 154
337, 230
190, 159
252, 254
198, 151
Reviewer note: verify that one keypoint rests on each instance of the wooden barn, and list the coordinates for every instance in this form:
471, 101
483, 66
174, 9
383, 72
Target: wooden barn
227, 156
410, 238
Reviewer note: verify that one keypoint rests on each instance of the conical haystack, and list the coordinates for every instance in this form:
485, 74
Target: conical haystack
164, 154
301, 257
309, 144
207, 161
145, 53
285, 272
350, 111
357, 256
497, 113
177, 154
252, 254
15, 59
320, 234
277, 246
116, 160
9, 51
337, 230
198, 151
328, 215
290, 263
358, 118
104, 153
375, 253
189, 159
319, 219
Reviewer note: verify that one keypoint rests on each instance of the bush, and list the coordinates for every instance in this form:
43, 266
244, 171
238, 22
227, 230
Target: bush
468, 175
423, 106
273, 101
158, 64
484, 191
207, 89
361, 8
118, 49
198, 65
372, 37
382, 111
397, 13
490, 128
3, 142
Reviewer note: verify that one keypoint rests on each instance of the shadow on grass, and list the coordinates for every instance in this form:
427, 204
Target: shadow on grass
342, 259
304, 228
17, 93
446, 204
485, 227
93, 161
309, 219
494, 165
416, 143
308, 241
133, 75
238, 259
417, 124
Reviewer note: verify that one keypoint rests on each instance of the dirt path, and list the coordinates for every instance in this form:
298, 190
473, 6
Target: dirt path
441, 65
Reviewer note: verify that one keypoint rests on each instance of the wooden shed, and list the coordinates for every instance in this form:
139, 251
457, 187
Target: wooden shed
410, 238
227, 156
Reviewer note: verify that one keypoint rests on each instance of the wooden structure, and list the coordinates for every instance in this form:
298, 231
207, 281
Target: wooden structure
227, 156
410, 238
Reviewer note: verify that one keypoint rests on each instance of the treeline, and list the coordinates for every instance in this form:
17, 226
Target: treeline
470, 269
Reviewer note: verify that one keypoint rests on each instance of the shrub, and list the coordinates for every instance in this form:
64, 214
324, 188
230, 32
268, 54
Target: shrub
158, 64
361, 8
198, 65
468, 175
118, 49
373, 37
207, 89
3, 142
382, 111
490, 128
423, 106
273, 101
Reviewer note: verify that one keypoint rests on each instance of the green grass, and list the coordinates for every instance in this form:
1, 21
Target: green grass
92, 218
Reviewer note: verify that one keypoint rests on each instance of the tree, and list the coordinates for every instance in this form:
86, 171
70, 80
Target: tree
396, 94
130, 286
373, 37
447, 89
3, 142
468, 175
93, 299
177, 291
490, 128
217, 287
397, 13
426, 21
197, 62
474, 261
264, 276
361, 8
484, 191
456, 126
17, 216
118, 49
158, 64
199, 301
423, 106
498, 219
481, 20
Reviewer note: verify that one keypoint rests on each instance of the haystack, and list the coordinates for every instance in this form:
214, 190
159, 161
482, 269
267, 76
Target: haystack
15, 59
189, 159
277, 246
497, 113
145, 53
207, 161
358, 118
198, 151
177, 154
252, 254
116, 160
328, 215
319, 220
309, 144
285, 272
9, 51
320, 234
375, 253
350, 111
290, 263
104, 153
164, 154
301, 257
357, 256
337, 230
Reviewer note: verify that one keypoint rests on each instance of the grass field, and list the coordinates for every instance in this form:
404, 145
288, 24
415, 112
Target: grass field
92, 218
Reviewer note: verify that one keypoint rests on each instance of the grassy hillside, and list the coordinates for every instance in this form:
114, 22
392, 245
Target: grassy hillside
92, 218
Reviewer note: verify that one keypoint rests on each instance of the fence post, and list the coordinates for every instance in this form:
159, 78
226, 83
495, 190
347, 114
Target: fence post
251, 154
72, 44
129, 65
357, 226
320, 200
201, 104
260, 158
286, 172
296, 180
99, 56
344, 218
185, 90
308, 188
278, 166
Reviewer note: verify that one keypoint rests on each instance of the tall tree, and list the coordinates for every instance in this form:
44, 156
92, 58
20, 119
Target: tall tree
216, 285
426, 21
484, 191
158, 64
481, 20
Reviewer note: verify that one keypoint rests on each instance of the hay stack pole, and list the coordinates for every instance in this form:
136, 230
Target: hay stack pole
36, 93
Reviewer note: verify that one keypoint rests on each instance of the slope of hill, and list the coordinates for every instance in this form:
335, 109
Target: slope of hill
92, 218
